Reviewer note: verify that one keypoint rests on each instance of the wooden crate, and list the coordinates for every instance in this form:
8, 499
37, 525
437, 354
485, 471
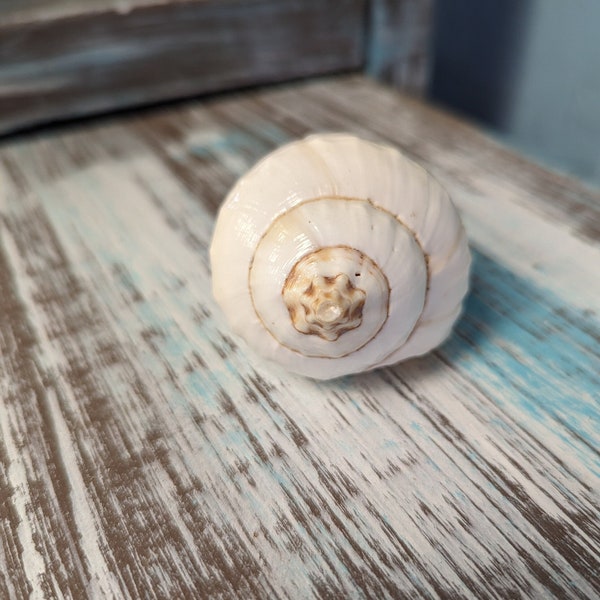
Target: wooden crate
69, 58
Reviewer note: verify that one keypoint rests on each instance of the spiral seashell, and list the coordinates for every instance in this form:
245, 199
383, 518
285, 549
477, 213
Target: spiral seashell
335, 255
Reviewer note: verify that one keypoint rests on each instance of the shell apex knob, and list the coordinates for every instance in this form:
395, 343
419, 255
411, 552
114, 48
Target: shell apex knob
335, 255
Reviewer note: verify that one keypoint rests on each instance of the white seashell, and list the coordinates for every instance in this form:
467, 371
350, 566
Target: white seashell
335, 255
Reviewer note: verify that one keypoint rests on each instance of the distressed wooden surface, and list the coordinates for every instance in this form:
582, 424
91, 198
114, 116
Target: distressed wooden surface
147, 453
70, 58
17, 12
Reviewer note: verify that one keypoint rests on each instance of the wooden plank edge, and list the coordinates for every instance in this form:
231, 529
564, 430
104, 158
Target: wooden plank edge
399, 44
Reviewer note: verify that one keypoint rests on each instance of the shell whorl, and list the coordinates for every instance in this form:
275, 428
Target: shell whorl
335, 255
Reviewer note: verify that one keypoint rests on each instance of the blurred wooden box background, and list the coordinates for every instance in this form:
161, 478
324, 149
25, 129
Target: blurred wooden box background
68, 58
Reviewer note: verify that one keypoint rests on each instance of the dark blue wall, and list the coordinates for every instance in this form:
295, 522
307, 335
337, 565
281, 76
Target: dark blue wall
530, 70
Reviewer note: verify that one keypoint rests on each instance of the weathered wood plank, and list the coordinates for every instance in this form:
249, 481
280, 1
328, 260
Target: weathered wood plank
146, 452
36, 11
67, 59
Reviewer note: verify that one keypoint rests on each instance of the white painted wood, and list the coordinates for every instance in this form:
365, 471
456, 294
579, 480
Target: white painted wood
146, 452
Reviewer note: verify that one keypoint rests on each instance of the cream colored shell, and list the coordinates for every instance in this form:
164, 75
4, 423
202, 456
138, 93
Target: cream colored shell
335, 255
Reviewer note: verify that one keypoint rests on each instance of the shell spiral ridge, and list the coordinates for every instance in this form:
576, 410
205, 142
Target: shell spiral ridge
335, 255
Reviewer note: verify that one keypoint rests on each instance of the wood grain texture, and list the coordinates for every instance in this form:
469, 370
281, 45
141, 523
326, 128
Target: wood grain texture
67, 59
147, 453
36, 11
399, 47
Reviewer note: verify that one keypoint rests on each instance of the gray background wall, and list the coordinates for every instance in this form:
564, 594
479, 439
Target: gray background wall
528, 69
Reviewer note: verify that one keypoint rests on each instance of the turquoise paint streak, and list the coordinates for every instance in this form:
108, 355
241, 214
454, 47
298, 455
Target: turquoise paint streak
528, 350
256, 141
378, 52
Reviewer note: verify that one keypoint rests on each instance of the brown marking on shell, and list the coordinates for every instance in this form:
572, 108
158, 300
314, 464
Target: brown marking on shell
357, 312
331, 305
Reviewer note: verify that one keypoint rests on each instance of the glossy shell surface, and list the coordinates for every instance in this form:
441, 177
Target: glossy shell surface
335, 255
